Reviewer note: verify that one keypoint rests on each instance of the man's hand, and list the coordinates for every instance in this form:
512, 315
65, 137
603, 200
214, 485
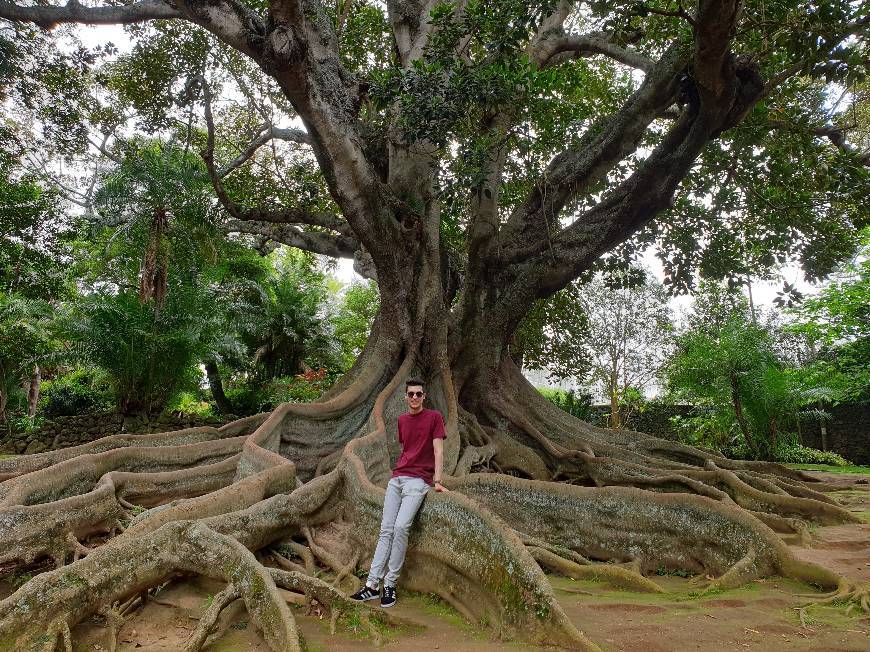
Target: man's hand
440, 487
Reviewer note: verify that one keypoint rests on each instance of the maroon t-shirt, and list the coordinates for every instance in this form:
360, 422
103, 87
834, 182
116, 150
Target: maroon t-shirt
416, 432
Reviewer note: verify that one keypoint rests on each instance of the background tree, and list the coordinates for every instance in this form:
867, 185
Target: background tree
25, 337
291, 332
629, 338
475, 158
149, 355
352, 321
836, 324
732, 367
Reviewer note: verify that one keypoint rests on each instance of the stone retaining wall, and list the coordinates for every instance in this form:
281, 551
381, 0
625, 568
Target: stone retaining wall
847, 433
62, 432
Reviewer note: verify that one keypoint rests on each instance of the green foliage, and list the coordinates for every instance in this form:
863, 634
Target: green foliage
189, 403
149, 355
554, 336
797, 454
25, 338
289, 329
79, 391
353, 320
153, 178
836, 323
252, 396
30, 236
576, 404
730, 368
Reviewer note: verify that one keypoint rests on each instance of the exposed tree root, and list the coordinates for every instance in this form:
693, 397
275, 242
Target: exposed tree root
622, 578
209, 619
215, 498
13, 467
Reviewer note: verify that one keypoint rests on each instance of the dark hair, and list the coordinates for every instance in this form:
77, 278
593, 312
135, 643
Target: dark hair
415, 382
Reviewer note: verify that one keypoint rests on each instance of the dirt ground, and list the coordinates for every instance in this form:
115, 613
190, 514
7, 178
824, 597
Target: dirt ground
760, 616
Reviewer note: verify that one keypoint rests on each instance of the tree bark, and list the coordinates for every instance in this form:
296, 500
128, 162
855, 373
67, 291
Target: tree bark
741, 418
217, 388
33, 391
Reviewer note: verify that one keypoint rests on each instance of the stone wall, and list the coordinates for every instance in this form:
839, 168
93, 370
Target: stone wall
62, 432
653, 420
847, 432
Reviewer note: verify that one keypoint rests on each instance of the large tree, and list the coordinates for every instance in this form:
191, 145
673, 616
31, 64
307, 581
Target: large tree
477, 157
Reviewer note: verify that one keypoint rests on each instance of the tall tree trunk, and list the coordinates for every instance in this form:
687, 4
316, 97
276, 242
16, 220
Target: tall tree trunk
741, 418
154, 274
33, 391
613, 391
615, 421
217, 387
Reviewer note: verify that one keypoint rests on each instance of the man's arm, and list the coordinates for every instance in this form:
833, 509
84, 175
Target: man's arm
438, 445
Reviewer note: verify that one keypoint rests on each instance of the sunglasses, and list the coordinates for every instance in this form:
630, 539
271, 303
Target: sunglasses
415, 394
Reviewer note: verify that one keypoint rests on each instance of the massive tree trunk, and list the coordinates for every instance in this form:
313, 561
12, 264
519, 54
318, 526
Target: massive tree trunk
532, 487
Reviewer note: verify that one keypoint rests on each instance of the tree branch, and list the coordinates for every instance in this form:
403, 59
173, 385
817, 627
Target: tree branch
314, 241
605, 143
284, 216
554, 50
835, 134
322, 219
724, 88
49, 17
267, 132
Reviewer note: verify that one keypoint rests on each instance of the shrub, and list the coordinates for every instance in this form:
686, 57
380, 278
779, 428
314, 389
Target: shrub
302, 388
248, 398
187, 403
790, 452
797, 454
578, 405
255, 396
80, 391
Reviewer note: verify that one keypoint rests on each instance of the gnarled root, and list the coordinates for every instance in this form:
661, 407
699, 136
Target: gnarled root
494, 579
209, 619
617, 576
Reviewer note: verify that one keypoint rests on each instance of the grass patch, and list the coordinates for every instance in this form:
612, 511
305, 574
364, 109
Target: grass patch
831, 469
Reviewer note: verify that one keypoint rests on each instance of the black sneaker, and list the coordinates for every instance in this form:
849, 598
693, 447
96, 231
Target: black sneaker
366, 593
388, 599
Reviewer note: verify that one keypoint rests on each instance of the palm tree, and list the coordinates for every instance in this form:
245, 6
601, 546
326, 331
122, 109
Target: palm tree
25, 336
158, 200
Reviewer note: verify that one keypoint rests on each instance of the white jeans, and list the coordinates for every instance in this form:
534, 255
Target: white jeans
403, 499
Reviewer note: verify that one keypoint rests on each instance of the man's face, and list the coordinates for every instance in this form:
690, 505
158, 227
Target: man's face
414, 397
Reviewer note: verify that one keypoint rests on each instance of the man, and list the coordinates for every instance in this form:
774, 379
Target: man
421, 433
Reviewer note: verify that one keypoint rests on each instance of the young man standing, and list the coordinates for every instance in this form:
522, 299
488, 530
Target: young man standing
421, 433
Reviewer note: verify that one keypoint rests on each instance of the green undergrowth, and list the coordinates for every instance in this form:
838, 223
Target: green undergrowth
831, 469
432, 604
